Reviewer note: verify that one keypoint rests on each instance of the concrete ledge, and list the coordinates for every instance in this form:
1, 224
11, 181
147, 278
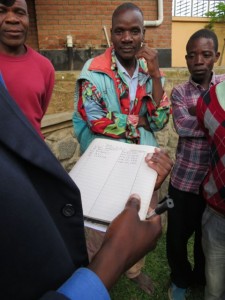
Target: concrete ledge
55, 122
54, 119
59, 136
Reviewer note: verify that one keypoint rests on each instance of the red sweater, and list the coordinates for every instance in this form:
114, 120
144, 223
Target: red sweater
29, 79
212, 119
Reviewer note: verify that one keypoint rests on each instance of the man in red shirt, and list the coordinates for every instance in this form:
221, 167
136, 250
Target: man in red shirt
28, 76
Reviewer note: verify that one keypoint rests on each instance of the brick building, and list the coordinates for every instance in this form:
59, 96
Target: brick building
51, 21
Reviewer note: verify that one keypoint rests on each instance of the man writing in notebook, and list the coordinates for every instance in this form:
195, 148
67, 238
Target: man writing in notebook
120, 95
43, 251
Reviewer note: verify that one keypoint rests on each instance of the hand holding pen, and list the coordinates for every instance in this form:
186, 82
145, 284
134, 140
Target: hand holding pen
164, 205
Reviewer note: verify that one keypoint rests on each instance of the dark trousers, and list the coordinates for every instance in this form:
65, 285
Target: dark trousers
184, 220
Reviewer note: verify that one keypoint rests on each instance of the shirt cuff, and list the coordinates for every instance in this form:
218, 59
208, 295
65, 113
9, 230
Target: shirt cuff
133, 120
85, 285
164, 102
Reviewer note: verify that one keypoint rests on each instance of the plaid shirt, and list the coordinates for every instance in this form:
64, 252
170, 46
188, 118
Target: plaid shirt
192, 156
211, 116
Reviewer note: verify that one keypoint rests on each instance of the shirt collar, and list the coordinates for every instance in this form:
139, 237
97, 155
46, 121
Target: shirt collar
212, 82
141, 64
124, 71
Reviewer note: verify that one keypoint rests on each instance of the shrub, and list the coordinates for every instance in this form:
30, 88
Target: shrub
218, 15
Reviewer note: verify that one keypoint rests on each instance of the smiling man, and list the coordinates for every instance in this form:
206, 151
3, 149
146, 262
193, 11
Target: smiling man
120, 95
28, 76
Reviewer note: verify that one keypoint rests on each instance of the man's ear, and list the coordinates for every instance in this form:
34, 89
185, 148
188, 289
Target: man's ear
143, 34
217, 56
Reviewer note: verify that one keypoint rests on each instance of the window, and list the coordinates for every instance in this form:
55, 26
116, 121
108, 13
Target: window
193, 8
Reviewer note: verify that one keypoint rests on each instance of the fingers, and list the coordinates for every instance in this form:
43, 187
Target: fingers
151, 57
126, 241
161, 163
134, 201
130, 212
147, 53
160, 158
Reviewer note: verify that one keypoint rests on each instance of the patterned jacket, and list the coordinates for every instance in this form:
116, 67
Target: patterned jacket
102, 104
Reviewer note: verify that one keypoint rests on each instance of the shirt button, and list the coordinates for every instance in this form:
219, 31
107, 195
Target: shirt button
68, 210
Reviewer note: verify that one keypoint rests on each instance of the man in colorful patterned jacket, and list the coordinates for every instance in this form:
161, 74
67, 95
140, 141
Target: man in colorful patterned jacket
120, 95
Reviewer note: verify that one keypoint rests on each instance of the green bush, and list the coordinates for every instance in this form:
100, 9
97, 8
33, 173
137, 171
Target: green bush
218, 15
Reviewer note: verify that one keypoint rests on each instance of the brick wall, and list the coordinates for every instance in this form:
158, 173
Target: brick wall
84, 20
32, 36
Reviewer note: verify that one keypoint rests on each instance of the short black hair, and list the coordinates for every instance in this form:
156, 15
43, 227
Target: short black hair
7, 2
125, 6
204, 33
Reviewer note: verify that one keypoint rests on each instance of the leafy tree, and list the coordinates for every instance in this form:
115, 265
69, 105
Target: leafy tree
218, 15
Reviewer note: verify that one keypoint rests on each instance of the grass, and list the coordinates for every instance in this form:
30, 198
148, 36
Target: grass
156, 266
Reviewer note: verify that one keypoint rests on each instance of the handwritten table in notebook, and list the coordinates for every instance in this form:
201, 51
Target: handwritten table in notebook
107, 173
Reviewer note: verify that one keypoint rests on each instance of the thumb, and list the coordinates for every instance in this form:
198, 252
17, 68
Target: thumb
134, 201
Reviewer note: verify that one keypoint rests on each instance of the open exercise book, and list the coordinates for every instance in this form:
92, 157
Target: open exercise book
107, 174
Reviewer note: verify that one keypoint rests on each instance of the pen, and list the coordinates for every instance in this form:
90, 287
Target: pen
163, 205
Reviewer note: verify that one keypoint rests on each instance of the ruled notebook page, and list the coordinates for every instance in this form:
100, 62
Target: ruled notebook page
108, 172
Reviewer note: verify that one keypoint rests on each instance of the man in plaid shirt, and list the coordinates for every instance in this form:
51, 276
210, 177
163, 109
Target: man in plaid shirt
191, 166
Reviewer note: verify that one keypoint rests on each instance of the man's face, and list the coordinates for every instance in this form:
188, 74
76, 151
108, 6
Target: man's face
14, 24
200, 58
127, 34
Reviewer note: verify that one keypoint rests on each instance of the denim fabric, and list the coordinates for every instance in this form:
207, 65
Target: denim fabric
176, 293
213, 241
